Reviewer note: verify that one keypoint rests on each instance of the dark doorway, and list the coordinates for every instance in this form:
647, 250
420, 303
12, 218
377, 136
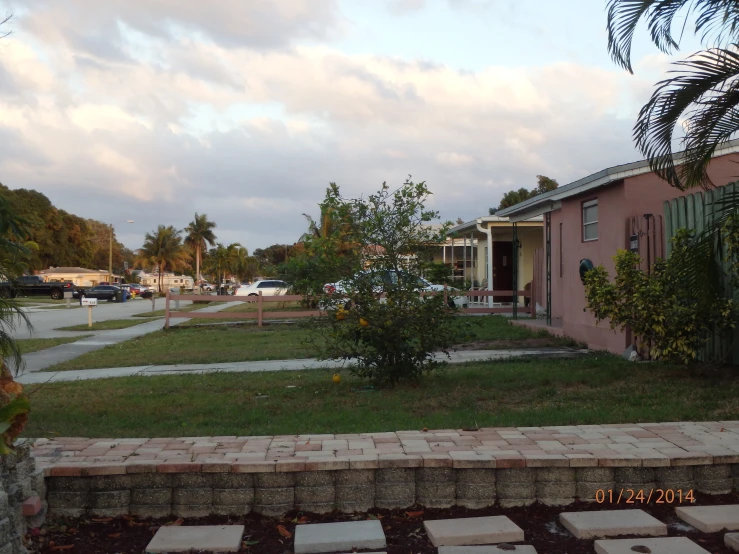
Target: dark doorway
502, 269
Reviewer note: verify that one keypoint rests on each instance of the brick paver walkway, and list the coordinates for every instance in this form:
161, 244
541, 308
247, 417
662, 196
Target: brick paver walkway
624, 445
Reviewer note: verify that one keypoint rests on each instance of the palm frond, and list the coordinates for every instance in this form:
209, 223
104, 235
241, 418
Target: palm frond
704, 93
717, 21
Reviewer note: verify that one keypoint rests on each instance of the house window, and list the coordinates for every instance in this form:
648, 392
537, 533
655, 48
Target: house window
590, 220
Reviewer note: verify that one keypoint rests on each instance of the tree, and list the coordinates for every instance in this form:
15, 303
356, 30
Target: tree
217, 262
13, 256
393, 338
695, 109
164, 250
199, 234
513, 197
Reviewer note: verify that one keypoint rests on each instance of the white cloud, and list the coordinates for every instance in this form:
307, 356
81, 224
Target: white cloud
250, 128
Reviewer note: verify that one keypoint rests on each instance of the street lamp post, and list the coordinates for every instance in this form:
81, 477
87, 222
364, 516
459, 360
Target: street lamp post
110, 257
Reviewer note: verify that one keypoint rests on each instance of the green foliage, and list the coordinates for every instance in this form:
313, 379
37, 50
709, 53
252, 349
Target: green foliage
438, 273
328, 252
698, 103
13, 259
513, 197
58, 238
672, 317
199, 234
394, 338
164, 250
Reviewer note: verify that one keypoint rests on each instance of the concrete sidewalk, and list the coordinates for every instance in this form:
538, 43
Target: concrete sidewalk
36, 361
275, 365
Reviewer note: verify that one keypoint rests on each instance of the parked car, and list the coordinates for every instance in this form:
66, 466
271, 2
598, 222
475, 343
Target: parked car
268, 287
101, 292
136, 288
34, 285
380, 279
207, 287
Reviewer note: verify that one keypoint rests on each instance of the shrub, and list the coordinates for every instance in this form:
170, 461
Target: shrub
671, 316
379, 319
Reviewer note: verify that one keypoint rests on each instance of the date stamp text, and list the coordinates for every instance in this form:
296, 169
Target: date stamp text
644, 496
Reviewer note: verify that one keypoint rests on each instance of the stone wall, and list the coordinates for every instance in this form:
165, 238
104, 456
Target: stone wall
22, 490
276, 493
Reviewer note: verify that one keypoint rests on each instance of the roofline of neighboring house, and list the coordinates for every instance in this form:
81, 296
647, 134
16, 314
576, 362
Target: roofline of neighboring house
70, 270
550, 201
472, 225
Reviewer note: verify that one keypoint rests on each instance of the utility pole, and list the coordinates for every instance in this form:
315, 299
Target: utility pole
110, 258
110, 253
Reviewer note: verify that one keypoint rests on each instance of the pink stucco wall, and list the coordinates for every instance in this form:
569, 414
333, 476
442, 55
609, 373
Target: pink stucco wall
634, 196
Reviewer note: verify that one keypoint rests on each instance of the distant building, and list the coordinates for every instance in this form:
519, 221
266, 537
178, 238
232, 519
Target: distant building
169, 280
80, 276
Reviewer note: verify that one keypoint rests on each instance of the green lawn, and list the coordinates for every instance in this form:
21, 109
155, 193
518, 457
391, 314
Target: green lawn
104, 325
195, 345
26, 300
590, 390
32, 345
247, 342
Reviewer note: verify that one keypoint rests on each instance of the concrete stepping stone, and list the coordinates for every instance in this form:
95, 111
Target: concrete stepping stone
731, 540
612, 523
710, 519
489, 549
473, 531
345, 536
213, 538
665, 545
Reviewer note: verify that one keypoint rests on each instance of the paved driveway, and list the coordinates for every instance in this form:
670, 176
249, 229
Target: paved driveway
44, 321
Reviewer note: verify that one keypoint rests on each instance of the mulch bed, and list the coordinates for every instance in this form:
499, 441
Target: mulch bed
404, 529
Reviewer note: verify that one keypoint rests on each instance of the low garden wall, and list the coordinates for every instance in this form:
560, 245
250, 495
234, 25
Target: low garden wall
143, 490
22, 490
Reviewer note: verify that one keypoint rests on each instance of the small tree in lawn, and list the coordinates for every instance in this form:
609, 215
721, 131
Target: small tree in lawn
380, 320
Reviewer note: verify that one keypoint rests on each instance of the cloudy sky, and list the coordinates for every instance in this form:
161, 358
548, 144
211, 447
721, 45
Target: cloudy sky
245, 110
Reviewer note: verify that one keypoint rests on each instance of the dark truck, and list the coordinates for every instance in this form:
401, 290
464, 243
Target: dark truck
34, 285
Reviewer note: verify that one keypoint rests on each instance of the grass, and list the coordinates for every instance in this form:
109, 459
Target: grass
247, 342
26, 300
33, 345
593, 389
103, 325
195, 345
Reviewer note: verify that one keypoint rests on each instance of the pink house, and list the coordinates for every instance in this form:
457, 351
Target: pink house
590, 219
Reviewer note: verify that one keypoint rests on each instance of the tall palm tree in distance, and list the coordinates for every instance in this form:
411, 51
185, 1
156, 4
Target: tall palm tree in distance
164, 249
199, 235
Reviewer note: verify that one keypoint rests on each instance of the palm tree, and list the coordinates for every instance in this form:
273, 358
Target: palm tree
696, 109
217, 262
240, 264
13, 255
164, 250
199, 234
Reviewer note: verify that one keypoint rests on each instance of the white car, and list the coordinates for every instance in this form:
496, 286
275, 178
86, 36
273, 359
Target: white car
268, 287
391, 277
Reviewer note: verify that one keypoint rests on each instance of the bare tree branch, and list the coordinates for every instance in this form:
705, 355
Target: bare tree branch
3, 22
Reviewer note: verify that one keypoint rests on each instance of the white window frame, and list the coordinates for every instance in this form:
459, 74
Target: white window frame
585, 205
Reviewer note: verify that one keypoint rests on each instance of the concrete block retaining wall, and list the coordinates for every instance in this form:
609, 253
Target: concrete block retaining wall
348, 490
19, 482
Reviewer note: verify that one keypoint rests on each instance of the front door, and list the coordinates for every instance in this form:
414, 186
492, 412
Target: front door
502, 269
